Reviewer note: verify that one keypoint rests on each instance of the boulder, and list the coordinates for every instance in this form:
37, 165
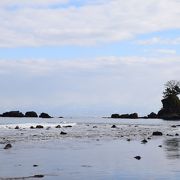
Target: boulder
8, 146
137, 157
63, 133
58, 126
31, 114
13, 114
39, 127
115, 116
44, 115
157, 133
113, 126
17, 127
152, 115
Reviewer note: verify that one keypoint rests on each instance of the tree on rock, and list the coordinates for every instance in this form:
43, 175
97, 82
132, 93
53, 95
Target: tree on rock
172, 88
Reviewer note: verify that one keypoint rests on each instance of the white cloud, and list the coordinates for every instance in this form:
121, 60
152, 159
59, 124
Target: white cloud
92, 23
161, 41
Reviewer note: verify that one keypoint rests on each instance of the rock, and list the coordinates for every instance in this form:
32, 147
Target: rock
32, 127
61, 117
8, 146
115, 116
44, 115
39, 127
169, 135
68, 126
137, 157
17, 127
13, 114
144, 141
160, 146
125, 116
148, 138
152, 115
58, 126
35, 165
31, 114
173, 126
128, 139
176, 134
94, 126
38, 176
113, 126
63, 133
170, 109
157, 133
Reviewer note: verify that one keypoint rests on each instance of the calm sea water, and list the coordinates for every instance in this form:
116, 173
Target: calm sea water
94, 155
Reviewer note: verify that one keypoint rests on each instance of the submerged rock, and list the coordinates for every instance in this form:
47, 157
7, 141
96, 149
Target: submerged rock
44, 115
31, 114
8, 146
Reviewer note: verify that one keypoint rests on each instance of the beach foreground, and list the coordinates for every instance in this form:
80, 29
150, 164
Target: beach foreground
91, 149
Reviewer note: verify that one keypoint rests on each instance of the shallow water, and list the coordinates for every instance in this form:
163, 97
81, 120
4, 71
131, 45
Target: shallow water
90, 150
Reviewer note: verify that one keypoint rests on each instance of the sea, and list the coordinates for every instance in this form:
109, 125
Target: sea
89, 149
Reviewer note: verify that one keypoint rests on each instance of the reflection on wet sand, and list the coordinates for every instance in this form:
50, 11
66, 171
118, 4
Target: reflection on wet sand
172, 148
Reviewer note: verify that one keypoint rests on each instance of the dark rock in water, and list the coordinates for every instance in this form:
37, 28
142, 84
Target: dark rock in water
35, 165
125, 116
152, 115
128, 139
32, 127
39, 127
113, 126
68, 126
173, 126
157, 133
148, 138
17, 127
115, 116
38, 176
176, 134
144, 141
94, 126
137, 157
31, 114
44, 115
61, 117
13, 114
169, 135
171, 108
58, 126
63, 133
8, 146
160, 146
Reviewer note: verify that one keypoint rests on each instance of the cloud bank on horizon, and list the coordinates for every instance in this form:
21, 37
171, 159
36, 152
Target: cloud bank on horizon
82, 57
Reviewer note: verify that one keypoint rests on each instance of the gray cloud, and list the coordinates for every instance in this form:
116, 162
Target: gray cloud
86, 87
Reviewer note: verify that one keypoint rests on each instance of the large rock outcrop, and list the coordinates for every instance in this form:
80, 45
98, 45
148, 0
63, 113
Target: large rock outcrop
31, 114
13, 114
171, 108
44, 115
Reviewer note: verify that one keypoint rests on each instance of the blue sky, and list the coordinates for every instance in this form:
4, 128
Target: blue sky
83, 58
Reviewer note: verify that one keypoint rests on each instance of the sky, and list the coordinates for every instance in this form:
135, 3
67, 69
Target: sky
87, 57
